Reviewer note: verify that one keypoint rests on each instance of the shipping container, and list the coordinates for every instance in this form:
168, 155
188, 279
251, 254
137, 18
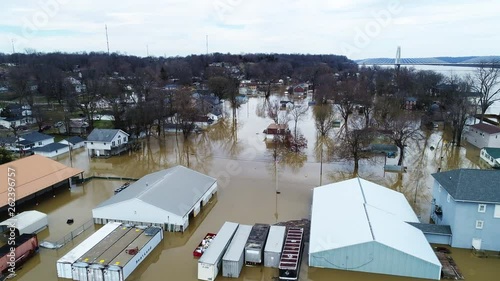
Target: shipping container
64, 264
81, 266
254, 248
133, 255
233, 260
289, 267
26, 246
210, 263
28, 222
274, 246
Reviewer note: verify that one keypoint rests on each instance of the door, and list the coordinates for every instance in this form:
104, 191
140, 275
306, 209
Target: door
476, 243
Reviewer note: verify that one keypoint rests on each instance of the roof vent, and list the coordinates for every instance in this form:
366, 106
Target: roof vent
450, 178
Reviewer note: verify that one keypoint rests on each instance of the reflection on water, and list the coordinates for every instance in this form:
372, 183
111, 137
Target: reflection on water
249, 170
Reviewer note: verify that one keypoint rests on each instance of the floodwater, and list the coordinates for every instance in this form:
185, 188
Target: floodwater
246, 170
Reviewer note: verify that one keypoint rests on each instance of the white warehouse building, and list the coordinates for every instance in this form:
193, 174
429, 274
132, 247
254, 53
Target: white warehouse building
166, 199
358, 225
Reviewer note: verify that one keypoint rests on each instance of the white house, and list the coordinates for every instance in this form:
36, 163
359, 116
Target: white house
16, 121
74, 142
52, 149
106, 142
491, 155
166, 199
34, 140
483, 135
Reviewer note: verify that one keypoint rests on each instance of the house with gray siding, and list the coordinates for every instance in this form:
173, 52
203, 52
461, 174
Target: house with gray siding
468, 200
483, 135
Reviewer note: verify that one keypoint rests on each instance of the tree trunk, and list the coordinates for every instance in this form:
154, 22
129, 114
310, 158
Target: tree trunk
401, 155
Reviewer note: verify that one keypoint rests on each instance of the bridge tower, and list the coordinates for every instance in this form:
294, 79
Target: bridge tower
398, 58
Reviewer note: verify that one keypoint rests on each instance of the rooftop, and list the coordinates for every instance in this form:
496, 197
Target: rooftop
429, 228
104, 135
493, 152
50, 147
34, 173
74, 140
36, 137
175, 190
487, 128
471, 184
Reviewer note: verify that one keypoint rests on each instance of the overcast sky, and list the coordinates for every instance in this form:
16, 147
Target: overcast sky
356, 28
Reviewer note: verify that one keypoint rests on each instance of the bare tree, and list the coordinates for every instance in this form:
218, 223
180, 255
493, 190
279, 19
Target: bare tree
186, 112
354, 144
297, 112
324, 119
486, 82
458, 106
405, 127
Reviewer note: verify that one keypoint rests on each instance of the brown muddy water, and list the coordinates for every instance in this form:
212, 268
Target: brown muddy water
246, 172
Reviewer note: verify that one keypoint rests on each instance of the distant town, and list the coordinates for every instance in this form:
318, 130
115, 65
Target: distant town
287, 166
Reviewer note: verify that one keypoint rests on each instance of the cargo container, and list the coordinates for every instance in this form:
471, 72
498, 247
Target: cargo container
210, 263
274, 246
131, 257
28, 222
233, 260
254, 248
64, 264
26, 246
289, 267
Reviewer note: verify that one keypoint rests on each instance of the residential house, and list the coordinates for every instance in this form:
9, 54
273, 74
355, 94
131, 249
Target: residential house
77, 126
491, 155
74, 142
276, 130
107, 142
9, 122
35, 140
52, 150
468, 200
300, 90
9, 143
483, 135
208, 103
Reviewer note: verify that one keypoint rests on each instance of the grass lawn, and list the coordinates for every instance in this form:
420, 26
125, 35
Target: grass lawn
103, 124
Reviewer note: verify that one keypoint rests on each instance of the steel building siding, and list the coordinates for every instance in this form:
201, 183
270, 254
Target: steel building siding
233, 260
210, 263
274, 246
373, 257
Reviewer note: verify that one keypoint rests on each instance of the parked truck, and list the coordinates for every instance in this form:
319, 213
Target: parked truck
254, 248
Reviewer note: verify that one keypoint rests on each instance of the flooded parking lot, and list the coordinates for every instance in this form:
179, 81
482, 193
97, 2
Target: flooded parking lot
248, 181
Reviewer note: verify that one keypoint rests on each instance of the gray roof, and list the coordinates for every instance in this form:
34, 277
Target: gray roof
36, 137
275, 239
75, 140
174, 190
50, 147
493, 151
219, 244
471, 184
237, 246
428, 228
105, 135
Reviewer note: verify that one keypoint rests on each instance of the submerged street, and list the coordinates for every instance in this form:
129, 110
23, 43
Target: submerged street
251, 190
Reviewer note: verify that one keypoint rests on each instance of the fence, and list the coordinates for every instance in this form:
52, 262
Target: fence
68, 237
78, 181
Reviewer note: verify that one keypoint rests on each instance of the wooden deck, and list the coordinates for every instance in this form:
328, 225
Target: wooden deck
450, 269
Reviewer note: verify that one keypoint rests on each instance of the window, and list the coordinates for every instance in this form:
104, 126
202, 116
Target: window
448, 198
497, 212
91, 142
39, 143
124, 139
479, 224
113, 143
481, 208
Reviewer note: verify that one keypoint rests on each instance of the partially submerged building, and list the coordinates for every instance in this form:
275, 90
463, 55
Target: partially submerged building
167, 199
358, 225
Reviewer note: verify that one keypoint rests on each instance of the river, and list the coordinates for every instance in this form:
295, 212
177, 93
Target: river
247, 194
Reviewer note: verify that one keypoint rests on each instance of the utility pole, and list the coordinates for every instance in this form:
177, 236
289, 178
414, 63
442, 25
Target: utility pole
13, 48
107, 38
147, 50
207, 44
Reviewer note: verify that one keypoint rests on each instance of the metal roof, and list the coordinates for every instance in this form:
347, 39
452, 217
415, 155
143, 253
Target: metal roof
275, 239
218, 245
487, 128
357, 211
74, 140
104, 135
493, 152
50, 147
237, 246
429, 228
24, 219
174, 190
36, 137
471, 184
